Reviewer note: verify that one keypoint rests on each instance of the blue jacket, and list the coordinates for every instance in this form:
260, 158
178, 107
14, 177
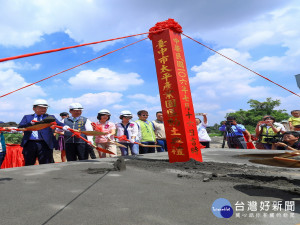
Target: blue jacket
46, 134
3, 142
237, 130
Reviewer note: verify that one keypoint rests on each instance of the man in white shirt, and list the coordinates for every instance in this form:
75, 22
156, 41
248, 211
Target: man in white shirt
204, 139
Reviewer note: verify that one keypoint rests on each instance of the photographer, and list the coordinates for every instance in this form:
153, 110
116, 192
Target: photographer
267, 132
290, 141
235, 133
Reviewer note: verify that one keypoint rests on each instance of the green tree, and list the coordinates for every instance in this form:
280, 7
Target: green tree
214, 130
13, 138
249, 118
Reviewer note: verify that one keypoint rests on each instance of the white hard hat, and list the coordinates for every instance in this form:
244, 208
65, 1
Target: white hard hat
104, 111
41, 103
126, 113
75, 106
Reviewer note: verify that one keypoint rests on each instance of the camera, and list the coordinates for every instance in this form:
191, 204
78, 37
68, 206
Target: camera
273, 140
228, 123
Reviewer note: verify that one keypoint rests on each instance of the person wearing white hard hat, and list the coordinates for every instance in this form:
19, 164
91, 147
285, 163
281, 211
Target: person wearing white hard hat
130, 130
38, 144
76, 148
103, 141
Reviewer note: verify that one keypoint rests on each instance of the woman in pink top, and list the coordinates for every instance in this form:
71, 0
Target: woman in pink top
103, 141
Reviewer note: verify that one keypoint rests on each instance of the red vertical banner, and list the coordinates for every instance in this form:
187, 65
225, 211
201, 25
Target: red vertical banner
175, 93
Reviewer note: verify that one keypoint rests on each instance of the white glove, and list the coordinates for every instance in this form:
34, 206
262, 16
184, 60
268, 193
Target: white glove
32, 123
65, 128
131, 141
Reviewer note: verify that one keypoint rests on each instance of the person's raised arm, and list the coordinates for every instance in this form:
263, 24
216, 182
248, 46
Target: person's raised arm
205, 118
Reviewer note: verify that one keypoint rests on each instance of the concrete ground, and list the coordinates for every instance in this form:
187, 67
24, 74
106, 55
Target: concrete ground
152, 191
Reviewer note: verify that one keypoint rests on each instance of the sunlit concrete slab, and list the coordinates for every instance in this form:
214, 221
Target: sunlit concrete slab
94, 192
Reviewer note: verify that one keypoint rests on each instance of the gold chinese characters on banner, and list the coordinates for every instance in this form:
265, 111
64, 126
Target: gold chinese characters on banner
176, 99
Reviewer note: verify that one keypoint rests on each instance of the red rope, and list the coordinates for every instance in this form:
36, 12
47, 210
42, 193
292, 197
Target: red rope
242, 65
72, 68
65, 48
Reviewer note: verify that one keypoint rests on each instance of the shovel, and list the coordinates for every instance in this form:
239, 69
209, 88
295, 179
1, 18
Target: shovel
92, 133
115, 143
77, 134
288, 162
39, 125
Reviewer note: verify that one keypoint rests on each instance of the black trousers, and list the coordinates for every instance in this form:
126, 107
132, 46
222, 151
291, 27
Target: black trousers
236, 142
37, 149
76, 151
145, 150
2, 156
90, 151
205, 143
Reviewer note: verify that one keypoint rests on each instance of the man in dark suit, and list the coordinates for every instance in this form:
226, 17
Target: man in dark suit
38, 144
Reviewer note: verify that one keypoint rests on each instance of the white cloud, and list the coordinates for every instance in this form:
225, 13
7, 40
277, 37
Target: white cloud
145, 98
89, 101
10, 81
24, 22
14, 106
278, 28
256, 39
18, 66
105, 79
220, 84
219, 69
219, 78
289, 103
128, 60
205, 107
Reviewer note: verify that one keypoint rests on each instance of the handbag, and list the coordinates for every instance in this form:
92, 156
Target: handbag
258, 144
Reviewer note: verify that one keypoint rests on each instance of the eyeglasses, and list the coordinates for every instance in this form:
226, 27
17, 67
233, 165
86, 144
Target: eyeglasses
127, 117
267, 118
144, 115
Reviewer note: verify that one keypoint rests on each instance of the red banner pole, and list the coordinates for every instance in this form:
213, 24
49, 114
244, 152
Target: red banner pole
175, 94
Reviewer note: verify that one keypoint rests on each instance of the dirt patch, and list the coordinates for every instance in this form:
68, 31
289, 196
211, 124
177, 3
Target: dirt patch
236, 174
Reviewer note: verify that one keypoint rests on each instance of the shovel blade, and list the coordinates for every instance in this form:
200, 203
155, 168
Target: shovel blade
104, 150
93, 133
38, 127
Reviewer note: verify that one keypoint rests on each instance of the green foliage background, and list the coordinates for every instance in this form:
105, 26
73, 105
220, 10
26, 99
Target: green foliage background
13, 138
249, 118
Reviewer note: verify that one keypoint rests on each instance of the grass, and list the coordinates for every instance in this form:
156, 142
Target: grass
215, 134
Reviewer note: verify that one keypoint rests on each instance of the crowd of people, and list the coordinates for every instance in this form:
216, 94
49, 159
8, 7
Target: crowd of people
269, 134
139, 137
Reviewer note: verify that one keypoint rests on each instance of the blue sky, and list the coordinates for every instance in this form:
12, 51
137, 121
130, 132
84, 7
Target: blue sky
262, 35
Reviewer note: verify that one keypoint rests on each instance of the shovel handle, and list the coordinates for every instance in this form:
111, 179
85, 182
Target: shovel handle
77, 134
125, 139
